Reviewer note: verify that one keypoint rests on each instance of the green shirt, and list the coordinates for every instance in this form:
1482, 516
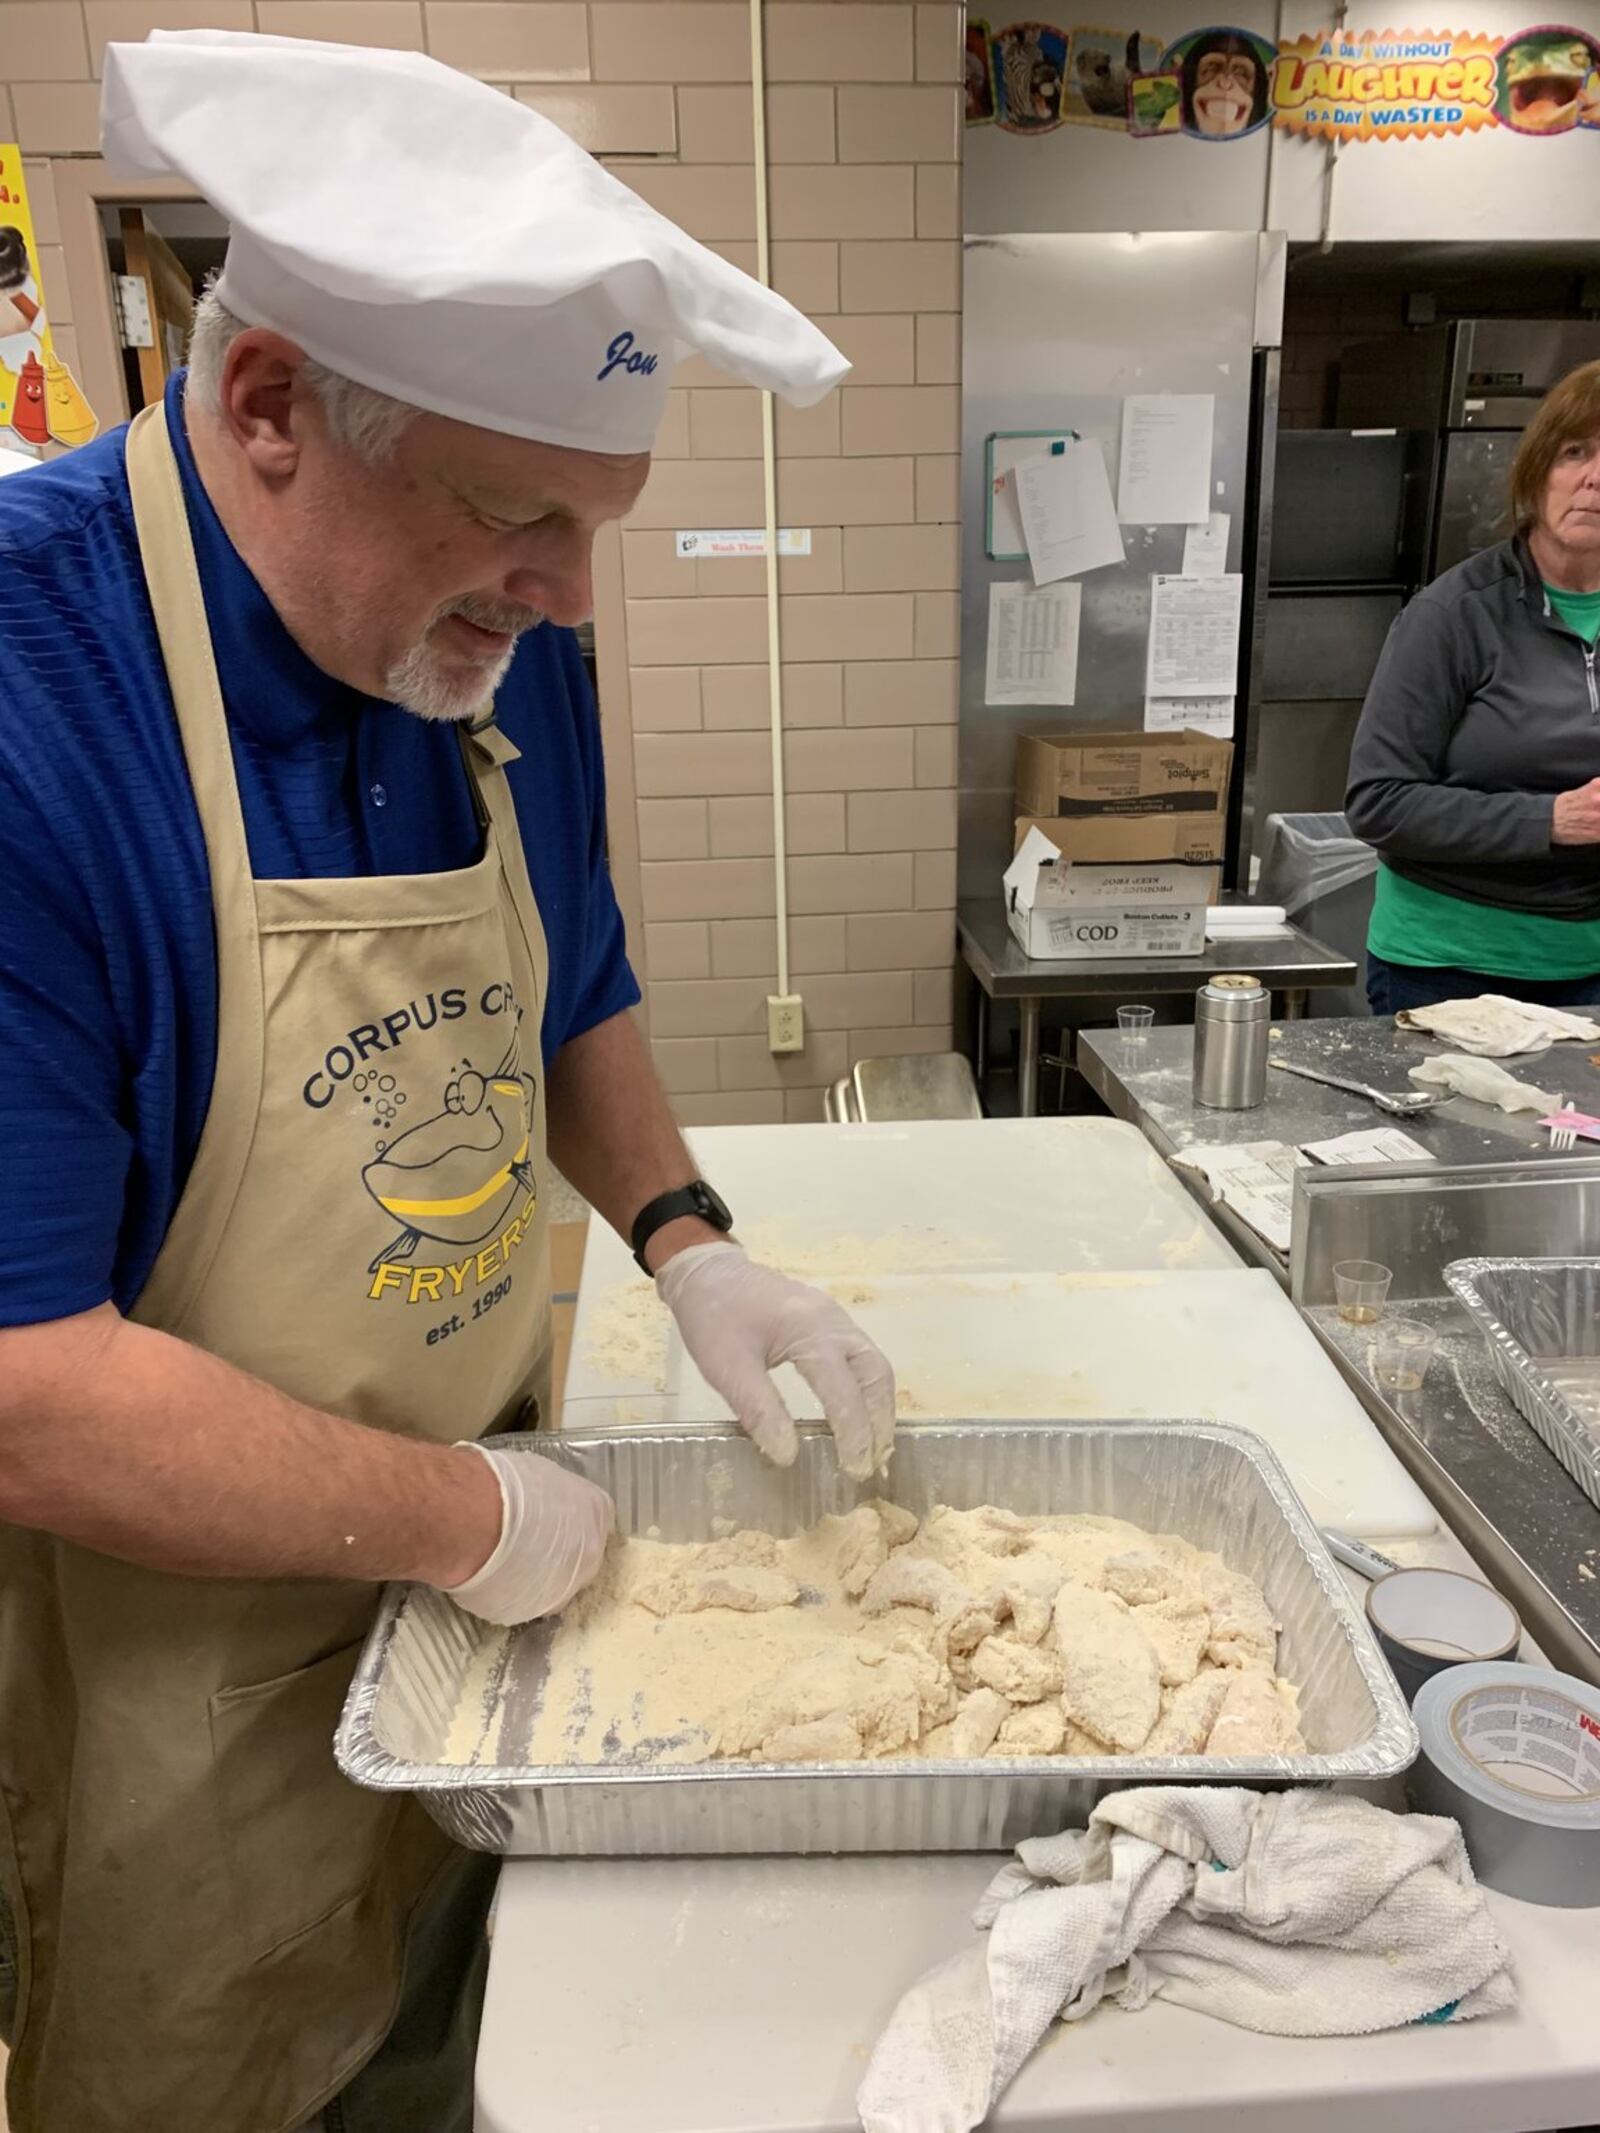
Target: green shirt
1411, 924
1579, 611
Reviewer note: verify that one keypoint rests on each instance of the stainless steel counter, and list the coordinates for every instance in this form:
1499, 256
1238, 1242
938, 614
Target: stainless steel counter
1497, 1187
1151, 1086
1519, 1513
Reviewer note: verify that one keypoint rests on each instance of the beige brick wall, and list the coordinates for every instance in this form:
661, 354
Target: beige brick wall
864, 147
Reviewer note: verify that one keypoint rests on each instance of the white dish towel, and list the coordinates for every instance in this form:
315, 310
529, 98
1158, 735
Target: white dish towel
1495, 1027
1304, 1914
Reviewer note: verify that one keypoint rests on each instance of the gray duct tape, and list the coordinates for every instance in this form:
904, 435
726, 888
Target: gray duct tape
1513, 1754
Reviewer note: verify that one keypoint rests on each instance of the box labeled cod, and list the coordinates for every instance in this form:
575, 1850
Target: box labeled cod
1128, 795
1062, 910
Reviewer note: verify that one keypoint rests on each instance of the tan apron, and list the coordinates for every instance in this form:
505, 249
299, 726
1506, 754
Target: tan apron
211, 1918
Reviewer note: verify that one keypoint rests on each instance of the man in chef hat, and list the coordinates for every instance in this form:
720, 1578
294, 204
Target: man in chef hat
309, 965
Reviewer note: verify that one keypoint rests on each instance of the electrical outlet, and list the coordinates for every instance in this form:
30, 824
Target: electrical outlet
786, 1022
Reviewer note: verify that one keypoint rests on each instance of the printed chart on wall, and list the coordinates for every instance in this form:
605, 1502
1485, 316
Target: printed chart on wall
1220, 83
41, 401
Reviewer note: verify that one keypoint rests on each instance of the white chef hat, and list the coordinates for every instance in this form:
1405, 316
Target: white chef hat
425, 235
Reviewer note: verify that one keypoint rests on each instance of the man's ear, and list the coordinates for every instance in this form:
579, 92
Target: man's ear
263, 395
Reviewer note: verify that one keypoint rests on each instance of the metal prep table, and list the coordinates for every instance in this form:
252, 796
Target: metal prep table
1290, 963
743, 1996
1151, 1085
1523, 1517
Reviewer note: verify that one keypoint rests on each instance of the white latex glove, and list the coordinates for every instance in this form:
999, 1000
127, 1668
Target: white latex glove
553, 1532
740, 1321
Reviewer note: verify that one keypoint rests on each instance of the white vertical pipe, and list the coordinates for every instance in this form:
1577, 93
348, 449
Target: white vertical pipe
769, 478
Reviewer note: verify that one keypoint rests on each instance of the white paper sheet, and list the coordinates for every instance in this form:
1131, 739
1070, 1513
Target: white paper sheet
1164, 475
1006, 543
1378, 1144
1255, 1179
1207, 714
1205, 548
1033, 643
1194, 635
1068, 518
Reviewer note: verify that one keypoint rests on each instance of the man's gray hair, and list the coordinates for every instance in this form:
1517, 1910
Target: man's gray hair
363, 421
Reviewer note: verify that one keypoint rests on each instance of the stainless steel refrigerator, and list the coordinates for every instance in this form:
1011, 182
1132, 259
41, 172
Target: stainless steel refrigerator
1057, 331
1474, 386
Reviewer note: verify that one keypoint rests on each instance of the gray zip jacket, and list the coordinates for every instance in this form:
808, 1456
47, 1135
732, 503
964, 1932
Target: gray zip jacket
1483, 707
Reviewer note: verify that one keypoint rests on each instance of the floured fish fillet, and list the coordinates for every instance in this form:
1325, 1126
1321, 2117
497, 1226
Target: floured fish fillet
1020, 1672
1243, 1633
1110, 1675
867, 1534
1179, 1629
969, 1734
1141, 1577
1255, 1719
1184, 1727
1036, 1729
875, 1693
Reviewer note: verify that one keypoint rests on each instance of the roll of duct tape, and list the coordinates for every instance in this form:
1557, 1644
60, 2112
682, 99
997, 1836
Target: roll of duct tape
1513, 1754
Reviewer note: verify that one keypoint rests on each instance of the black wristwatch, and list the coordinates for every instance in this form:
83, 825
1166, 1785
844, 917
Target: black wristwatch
694, 1199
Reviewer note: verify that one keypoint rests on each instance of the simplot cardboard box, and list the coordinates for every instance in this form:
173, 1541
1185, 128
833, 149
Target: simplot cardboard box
1064, 911
1128, 795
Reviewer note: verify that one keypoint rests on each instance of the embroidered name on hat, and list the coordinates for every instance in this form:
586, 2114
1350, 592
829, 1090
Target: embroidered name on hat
622, 355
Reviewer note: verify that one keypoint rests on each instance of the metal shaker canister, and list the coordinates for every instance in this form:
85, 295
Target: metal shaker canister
1231, 1019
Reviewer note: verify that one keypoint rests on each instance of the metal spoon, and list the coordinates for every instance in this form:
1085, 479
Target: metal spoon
1397, 1105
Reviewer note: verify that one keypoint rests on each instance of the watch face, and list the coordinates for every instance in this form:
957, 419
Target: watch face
712, 1206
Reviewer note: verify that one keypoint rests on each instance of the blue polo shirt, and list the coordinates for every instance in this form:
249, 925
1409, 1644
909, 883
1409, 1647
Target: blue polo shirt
108, 980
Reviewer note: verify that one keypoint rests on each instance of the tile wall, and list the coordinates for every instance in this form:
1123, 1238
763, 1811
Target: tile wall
864, 148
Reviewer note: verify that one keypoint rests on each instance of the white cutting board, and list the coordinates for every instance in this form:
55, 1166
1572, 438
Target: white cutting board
1226, 1346
950, 1196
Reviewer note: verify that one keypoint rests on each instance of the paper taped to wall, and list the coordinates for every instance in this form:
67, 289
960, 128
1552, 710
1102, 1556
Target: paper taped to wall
1205, 548
1068, 518
1165, 470
1202, 714
1033, 643
1194, 635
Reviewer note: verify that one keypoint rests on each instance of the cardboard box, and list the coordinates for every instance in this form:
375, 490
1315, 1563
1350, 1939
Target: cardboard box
1063, 911
1128, 795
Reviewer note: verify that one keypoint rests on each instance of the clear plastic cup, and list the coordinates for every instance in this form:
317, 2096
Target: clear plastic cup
1401, 1354
1134, 1023
1362, 1289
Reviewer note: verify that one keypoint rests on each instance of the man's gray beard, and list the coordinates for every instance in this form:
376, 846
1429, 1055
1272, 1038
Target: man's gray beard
430, 684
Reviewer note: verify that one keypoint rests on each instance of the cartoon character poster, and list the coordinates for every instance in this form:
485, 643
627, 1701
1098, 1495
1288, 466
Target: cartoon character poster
1101, 68
1547, 80
40, 400
1224, 80
1030, 65
980, 73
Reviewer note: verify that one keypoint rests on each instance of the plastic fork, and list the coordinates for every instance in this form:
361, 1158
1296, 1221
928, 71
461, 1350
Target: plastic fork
1563, 1138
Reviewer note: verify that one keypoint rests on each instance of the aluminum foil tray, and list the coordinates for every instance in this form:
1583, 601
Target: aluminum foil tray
1218, 1487
1541, 1320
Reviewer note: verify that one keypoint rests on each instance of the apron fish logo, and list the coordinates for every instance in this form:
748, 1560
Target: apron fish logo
455, 1178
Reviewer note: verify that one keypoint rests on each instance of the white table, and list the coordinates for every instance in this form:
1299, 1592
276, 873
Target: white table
744, 1995
731, 1995
1020, 1269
